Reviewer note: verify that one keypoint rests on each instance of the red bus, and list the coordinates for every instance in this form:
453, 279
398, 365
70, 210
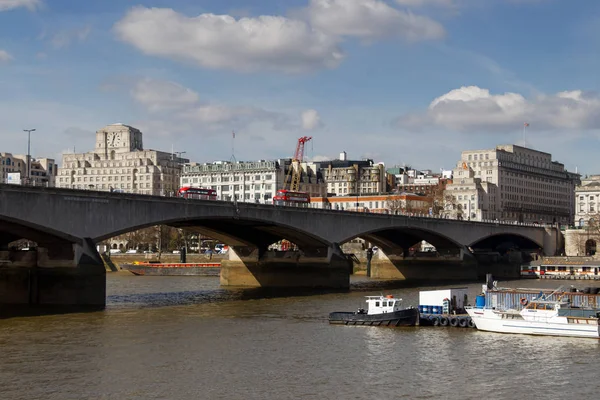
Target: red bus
293, 199
197, 193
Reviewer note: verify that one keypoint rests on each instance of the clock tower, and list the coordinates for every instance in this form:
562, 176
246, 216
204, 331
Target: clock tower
118, 138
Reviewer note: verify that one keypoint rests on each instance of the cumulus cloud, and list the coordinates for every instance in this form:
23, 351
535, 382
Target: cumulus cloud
471, 109
31, 5
158, 95
221, 41
66, 37
425, 3
311, 120
5, 57
370, 19
174, 102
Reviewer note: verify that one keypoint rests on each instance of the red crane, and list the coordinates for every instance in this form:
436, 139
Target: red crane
295, 171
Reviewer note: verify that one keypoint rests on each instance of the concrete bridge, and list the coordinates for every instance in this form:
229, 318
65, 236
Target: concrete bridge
66, 224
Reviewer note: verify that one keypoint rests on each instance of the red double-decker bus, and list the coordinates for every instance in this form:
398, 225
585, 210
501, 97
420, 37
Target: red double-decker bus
197, 193
289, 198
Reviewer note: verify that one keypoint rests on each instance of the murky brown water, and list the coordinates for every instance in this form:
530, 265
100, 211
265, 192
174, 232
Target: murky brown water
185, 338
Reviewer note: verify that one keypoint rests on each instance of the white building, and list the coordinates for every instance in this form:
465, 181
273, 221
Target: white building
522, 185
250, 181
120, 163
587, 201
43, 170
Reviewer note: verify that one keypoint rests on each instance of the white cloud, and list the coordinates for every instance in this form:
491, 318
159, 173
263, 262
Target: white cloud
66, 37
425, 3
158, 95
371, 19
220, 41
180, 105
5, 57
471, 109
31, 5
311, 120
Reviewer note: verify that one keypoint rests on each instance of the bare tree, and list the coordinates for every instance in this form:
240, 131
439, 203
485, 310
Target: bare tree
394, 204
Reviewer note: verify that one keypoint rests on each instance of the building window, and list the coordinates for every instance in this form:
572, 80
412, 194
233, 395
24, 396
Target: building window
225, 188
257, 177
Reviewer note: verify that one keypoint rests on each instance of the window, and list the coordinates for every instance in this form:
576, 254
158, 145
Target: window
268, 177
225, 188
257, 177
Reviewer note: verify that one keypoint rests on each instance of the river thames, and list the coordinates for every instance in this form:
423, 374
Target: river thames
186, 338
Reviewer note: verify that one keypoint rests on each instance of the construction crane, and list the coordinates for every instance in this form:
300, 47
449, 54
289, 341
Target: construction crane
295, 171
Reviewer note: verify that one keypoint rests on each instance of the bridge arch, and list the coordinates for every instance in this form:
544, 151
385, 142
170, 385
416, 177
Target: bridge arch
504, 240
15, 229
236, 232
405, 237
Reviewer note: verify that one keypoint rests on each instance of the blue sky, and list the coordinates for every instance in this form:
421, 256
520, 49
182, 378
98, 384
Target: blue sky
400, 81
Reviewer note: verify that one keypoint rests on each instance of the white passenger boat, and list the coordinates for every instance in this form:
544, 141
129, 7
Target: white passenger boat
539, 317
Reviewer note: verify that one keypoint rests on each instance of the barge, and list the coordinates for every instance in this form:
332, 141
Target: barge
173, 269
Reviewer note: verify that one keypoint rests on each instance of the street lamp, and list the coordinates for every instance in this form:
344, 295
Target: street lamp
28, 153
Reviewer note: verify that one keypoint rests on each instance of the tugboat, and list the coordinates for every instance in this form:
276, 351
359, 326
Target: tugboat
381, 311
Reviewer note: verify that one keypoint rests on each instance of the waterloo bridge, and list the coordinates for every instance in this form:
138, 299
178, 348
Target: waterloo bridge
66, 268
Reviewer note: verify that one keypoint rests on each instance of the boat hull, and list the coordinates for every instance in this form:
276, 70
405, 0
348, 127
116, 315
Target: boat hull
407, 317
494, 321
160, 270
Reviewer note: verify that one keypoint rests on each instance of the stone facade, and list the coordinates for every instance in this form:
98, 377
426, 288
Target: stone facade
345, 177
582, 242
120, 163
587, 199
513, 183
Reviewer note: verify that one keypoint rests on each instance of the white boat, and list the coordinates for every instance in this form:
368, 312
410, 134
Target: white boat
539, 317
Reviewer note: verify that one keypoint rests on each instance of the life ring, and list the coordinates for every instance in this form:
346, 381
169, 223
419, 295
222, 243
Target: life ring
524, 302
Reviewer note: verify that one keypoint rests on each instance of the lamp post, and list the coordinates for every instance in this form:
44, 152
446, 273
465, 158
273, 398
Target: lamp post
28, 153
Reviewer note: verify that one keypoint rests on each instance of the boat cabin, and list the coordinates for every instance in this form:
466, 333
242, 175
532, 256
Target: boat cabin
381, 305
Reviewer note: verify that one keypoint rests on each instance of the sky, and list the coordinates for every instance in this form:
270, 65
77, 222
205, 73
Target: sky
410, 82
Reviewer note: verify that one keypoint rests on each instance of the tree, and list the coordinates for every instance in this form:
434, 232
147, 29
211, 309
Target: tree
394, 204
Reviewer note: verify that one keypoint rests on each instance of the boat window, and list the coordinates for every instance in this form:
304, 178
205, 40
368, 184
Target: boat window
376, 304
384, 304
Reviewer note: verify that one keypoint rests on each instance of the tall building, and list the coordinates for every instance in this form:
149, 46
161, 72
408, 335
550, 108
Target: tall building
512, 183
587, 201
250, 181
345, 177
120, 163
43, 170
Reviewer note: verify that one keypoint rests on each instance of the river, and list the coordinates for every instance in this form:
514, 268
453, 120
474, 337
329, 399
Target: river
186, 338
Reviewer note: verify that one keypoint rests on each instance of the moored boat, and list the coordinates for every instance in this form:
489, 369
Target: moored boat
540, 316
173, 269
380, 311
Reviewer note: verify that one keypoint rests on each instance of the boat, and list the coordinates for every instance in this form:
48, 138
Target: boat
543, 315
173, 269
380, 311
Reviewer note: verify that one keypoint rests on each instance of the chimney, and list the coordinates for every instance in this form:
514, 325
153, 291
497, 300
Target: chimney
343, 156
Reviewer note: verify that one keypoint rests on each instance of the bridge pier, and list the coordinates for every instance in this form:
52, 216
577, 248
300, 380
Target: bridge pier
318, 268
46, 279
392, 264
